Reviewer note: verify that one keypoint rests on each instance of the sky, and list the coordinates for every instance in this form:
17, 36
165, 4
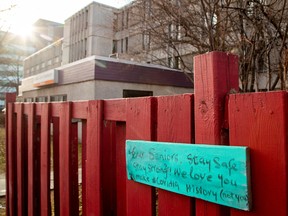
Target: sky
26, 12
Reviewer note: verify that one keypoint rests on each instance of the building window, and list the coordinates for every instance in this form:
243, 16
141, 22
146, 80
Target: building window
58, 98
86, 19
174, 62
178, 32
146, 40
170, 62
41, 99
85, 45
126, 44
114, 48
30, 99
122, 21
147, 9
115, 22
122, 44
136, 93
177, 64
127, 19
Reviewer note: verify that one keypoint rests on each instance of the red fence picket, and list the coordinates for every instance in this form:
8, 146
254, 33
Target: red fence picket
215, 75
37, 132
260, 122
174, 124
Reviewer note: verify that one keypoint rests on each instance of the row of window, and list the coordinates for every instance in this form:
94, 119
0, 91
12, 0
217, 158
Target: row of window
78, 50
79, 22
122, 21
52, 98
63, 97
39, 67
123, 45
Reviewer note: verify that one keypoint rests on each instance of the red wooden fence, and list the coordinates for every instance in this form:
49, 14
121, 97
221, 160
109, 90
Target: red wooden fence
210, 116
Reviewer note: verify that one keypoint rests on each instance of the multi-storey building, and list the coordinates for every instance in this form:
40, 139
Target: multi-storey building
14, 49
88, 32
102, 30
97, 32
46, 32
45, 59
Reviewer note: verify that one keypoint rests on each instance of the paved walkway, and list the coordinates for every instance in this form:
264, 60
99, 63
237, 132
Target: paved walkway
3, 182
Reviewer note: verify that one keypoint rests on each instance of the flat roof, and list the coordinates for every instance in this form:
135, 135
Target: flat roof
119, 70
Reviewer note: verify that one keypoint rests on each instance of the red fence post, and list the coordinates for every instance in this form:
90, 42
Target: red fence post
32, 190
11, 191
20, 159
139, 125
260, 121
56, 159
92, 165
64, 158
215, 73
108, 169
175, 124
45, 160
120, 169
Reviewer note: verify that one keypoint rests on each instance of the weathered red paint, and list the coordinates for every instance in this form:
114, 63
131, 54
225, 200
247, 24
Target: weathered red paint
64, 160
20, 159
56, 158
215, 75
9, 98
73, 166
120, 169
45, 160
84, 187
174, 124
139, 126
108, 168
30, 110
115, 110
93, 159
255, 120
259, 121
11, 174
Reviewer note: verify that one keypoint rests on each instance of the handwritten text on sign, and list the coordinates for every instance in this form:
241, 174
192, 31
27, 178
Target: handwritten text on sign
218, 174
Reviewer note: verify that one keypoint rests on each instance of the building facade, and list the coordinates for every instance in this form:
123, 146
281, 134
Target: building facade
98, 77
102, 30
13, 50
97, 31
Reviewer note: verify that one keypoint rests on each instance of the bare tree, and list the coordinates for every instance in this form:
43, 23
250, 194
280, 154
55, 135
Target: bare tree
11, 63
262, 26
12, 50
174, 31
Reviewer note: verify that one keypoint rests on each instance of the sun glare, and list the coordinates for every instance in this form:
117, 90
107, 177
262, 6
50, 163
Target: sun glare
18, 20
22, 29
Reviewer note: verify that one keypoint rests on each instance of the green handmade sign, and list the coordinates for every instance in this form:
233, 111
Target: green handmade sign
218, 174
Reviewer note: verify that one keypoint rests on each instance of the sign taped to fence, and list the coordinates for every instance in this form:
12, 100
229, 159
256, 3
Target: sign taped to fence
218, 174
